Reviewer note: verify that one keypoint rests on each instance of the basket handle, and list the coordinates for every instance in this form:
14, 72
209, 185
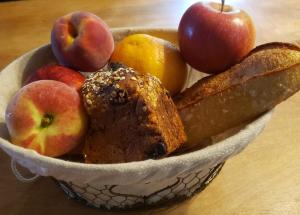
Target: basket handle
19, 176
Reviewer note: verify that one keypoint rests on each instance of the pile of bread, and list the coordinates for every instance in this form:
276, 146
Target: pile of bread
134, 118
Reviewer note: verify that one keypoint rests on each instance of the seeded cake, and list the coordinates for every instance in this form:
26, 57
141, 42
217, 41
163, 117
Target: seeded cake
132, 117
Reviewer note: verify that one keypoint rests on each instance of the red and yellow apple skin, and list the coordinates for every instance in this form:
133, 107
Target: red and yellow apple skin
81, 41
46, 116
212, 41
58, 73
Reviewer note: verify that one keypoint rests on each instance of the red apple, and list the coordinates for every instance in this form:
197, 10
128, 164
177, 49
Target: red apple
212, 40
58, 73
46, 116
81, 41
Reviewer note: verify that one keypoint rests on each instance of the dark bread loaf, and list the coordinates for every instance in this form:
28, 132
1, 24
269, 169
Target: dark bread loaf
132, 117
264, 78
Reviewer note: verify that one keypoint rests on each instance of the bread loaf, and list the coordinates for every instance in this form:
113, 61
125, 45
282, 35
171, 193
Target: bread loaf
264, 78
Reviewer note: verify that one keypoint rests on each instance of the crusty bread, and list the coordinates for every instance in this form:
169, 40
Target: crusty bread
132, 117
264, 78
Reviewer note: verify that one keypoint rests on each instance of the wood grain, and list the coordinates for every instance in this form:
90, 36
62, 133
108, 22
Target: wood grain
263, 179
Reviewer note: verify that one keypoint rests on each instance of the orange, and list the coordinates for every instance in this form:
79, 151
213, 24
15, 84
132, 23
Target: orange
148, 54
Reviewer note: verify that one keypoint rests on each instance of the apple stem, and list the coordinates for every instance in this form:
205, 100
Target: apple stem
222, 6
47, 120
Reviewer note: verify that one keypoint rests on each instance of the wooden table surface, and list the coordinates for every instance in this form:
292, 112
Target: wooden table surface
263, 179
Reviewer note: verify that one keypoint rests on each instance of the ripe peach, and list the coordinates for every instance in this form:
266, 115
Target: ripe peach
46, 116
82, 41
58, 73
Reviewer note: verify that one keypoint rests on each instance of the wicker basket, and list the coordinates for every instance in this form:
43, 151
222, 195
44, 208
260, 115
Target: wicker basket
126, 185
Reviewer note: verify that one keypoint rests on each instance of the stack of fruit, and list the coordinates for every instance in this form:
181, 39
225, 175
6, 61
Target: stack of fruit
48, 114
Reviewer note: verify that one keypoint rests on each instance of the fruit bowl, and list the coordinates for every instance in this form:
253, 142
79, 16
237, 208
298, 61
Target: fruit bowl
124, 185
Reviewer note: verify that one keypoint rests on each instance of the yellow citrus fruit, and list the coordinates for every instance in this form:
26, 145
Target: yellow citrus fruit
148, 54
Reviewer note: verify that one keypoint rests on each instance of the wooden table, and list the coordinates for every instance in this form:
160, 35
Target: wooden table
263, 179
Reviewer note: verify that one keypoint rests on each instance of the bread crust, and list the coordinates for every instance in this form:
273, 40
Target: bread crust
264, 78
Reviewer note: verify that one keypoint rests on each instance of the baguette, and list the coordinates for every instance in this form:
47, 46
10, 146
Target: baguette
267, 76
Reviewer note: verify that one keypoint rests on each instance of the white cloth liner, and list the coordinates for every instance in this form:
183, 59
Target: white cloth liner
122, 174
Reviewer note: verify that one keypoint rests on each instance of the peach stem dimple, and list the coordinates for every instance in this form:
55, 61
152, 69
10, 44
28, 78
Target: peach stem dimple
72, 30
46, 120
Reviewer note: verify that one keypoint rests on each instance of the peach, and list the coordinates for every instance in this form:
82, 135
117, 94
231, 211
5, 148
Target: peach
82, 41
46, 116
58, 73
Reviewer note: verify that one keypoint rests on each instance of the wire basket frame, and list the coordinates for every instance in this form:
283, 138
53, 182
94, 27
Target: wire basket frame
107, 196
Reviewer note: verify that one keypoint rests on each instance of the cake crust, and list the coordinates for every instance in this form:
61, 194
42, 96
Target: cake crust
132, 117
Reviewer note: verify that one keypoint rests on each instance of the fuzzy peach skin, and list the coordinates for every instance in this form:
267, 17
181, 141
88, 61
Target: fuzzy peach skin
82, 41
46, 116
58, 73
